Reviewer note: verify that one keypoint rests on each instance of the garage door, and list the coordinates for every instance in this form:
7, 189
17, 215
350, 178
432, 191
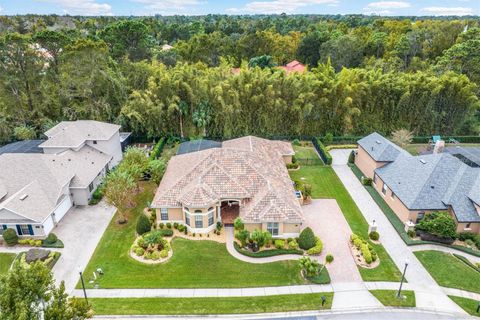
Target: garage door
62, 208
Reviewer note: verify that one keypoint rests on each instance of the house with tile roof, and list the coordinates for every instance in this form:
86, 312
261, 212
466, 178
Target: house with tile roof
293, 66
413, 186
38, 189
244, 177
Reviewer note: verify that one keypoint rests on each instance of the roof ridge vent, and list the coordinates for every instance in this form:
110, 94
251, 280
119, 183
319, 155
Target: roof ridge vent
23, 196
378, 142
423, 161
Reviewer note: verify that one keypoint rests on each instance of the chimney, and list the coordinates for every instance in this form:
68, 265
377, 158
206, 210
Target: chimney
439, 146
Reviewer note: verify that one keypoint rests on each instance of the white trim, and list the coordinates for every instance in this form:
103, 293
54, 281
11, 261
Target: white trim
199, 213
201, 230
286, 235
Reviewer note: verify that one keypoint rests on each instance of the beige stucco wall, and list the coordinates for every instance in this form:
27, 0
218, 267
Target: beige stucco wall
252, 226
291, 227
366, 164
287, 159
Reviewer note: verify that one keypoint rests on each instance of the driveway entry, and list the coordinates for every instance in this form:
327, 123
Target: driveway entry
326, 220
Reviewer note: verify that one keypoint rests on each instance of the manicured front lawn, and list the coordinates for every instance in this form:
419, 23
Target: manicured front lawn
389, 298
195, 264
449, 271
469, 305
6, 260
203, 306
326, 184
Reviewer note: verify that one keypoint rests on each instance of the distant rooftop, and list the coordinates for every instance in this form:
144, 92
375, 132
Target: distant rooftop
197, 145
26, 146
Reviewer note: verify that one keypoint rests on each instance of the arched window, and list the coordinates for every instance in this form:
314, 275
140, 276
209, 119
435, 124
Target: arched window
210, 209
198, 211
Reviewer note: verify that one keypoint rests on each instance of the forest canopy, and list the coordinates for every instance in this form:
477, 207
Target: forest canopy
364, 74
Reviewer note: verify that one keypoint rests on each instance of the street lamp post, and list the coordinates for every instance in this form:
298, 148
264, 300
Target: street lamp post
83, 286
403, 278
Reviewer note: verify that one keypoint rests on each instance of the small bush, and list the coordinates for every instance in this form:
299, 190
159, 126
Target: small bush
51, 238
166, 233
317, 249
306, 240
477, 241
440, 224
329, 258
367, 181
143, 224
163, 254
175, 225
219, 226
351, 157
169, 225
292, 244
296, 142
10, 237
141, 243
366, 253
470, 243
411, 233
161, 225
185, 231
374, 235
155, 255
462, 236
37, 243
139, 251
242, 236
279, 244
238, 224
292, 165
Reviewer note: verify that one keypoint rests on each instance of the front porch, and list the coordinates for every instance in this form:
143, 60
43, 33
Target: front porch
229, 211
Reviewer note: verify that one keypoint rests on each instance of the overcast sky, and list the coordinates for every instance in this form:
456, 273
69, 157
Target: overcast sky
195, 7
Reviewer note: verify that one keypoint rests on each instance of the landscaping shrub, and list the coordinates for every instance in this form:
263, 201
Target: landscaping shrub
161, 225
470, 243
166, 232
411, 233
157, 150
155, 255
366, 253
175, 225
266, 253
139, 251
365, 248
279, 244
367, 181
238, 224
477, 241
374, 235
141, 243
310, 267
329, 258
143, 224
242, 236
317, 249
169, 225
292, 244
306, 240
163, 254
10, 237
328, 138
154, 237
51, 238
351, 157
439, 224
462, 236
296, 142
293, 165
260, 238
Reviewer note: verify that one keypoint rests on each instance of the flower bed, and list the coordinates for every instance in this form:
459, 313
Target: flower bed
363, 252
151, 247
266, 252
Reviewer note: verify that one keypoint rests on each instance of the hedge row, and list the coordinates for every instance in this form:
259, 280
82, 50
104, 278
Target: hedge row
322, 151
157, 150
266, 253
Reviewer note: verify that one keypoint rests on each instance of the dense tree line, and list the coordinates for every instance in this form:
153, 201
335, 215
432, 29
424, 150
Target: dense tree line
365, 73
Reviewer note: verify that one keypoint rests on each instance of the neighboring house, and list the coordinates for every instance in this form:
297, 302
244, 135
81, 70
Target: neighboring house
73, 135
244, 177
38, 189
294, 66
415, 185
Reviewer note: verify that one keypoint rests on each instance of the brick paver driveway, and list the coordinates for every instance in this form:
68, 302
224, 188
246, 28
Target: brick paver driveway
327, 221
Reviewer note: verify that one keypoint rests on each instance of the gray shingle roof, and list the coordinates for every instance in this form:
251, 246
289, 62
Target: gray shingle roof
433, 182
380, 148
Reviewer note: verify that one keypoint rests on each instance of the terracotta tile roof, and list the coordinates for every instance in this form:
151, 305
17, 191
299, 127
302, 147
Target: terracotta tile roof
247, 168
294, 66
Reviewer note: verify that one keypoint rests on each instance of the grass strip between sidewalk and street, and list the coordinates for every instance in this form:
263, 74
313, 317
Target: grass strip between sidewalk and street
211, 305
469, 305
327, 185
389, 298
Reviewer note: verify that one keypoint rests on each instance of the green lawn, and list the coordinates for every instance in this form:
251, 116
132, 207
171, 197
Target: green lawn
389, 298
195, 264
6, 260
203, 306
449, 271
326, 184
469, 305
305, 152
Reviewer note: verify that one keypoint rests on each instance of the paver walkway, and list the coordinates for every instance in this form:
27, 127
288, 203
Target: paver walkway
80, 230
432, 295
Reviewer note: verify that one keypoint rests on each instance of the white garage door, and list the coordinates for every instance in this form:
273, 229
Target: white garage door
63, 208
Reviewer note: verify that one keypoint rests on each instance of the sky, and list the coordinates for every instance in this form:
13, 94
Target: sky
199, 7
